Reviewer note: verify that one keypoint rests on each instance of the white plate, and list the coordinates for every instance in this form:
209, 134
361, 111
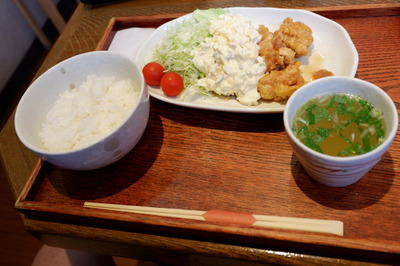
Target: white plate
332, 49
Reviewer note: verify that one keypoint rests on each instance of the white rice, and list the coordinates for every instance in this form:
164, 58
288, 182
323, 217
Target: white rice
85, 114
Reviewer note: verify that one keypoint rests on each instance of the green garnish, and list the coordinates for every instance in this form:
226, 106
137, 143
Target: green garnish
341, 125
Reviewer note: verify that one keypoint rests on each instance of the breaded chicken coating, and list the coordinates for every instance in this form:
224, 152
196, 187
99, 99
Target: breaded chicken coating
288, 56
296, 35
275, 52
269, 48
279, 85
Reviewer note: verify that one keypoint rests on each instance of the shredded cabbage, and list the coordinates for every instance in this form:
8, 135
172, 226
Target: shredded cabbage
174, 52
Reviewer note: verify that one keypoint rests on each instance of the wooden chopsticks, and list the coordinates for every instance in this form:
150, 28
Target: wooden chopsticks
226, 217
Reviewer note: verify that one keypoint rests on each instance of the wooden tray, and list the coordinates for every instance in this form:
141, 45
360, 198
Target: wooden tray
203, 160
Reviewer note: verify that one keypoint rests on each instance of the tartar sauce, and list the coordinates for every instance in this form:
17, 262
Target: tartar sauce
229, 59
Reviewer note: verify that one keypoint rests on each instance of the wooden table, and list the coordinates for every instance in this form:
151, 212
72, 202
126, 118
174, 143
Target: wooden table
378, 64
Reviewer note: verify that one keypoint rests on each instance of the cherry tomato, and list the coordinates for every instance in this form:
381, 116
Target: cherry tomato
172, 84
153, 72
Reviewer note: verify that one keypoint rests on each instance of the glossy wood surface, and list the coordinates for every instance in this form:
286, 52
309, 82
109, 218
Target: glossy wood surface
195, 160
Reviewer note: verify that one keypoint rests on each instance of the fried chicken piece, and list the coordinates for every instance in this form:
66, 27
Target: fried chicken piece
280, 85
274, 50
267, 46
279, 49
321, 74
296, 35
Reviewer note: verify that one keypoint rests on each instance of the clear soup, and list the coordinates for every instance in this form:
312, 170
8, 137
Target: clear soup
339, 125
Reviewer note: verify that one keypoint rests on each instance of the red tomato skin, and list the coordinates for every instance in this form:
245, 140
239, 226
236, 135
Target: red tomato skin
153, 72
172, 84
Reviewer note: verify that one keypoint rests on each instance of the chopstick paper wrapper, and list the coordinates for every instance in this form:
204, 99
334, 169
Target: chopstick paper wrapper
227, 217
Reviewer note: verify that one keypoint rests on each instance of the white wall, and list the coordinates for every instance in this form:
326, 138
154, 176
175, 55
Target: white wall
16, 35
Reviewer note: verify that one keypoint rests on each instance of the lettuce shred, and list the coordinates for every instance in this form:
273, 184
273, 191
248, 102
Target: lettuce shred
174, 52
